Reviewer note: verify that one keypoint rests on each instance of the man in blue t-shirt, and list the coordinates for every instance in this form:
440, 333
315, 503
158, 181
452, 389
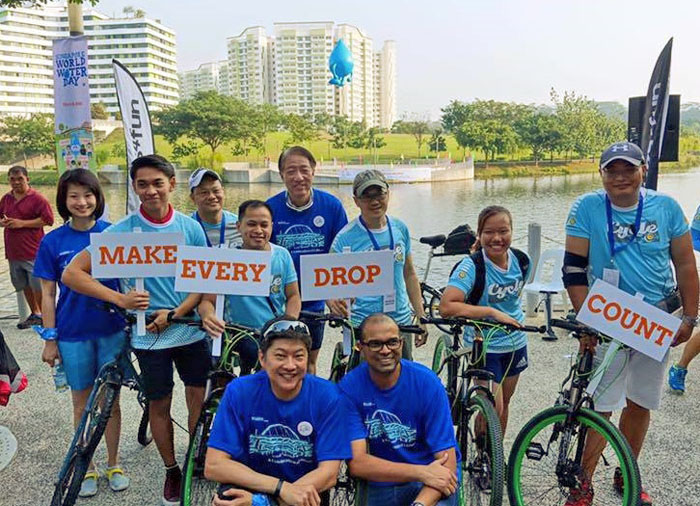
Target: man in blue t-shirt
164, 344
306, 220
219, 225
374, 230
678, 371
633, 238
279, 432
255, 226
406, 450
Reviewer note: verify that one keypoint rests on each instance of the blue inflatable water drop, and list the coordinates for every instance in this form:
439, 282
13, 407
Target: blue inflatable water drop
340, 64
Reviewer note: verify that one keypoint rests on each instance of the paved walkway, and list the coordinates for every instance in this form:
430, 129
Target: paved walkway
39, 418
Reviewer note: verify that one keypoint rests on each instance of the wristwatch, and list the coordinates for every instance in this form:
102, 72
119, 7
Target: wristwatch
690, 320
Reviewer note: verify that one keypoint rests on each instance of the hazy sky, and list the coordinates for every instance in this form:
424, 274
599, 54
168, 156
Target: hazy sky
452, 49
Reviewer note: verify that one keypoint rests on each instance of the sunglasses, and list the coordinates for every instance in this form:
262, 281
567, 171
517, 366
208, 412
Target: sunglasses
392, 344
282, 326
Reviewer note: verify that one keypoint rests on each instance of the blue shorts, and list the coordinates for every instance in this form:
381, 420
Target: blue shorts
82, 360
507, 364
317, 329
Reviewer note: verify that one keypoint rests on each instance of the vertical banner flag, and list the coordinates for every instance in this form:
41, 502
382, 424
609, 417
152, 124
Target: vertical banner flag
138, 133
655, 111
72, 125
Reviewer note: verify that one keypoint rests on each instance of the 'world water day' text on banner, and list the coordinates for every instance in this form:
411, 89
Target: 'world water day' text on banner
629, 319
134, 255
347, 275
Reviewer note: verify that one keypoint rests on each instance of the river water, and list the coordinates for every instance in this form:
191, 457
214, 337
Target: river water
437, 208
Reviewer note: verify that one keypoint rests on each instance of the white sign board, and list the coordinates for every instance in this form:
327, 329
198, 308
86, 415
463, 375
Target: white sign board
629, 319
336, 276
223, 271
134, 255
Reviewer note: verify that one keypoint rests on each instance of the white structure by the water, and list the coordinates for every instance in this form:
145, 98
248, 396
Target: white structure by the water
144, 45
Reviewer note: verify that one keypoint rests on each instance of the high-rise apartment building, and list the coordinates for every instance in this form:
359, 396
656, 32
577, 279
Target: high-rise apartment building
207, 77
145, 46
249, 66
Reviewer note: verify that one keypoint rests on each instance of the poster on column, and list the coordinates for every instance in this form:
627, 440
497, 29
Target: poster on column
75, 147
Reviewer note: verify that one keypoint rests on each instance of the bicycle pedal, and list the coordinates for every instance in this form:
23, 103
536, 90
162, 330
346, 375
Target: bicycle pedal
535, 451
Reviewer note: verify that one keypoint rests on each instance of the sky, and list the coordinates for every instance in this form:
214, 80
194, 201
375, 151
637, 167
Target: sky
504, 50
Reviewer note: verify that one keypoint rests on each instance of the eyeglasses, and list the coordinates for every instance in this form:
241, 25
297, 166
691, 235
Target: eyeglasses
379, 197
282, 326
392, 344
627, 173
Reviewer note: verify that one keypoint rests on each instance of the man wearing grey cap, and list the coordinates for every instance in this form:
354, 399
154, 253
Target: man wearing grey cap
632, 238
371, 231
219, 225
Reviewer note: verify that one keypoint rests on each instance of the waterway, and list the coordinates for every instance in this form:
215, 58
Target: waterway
437, 208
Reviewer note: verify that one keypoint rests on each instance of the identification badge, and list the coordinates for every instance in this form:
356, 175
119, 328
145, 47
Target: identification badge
611, 276
390, 302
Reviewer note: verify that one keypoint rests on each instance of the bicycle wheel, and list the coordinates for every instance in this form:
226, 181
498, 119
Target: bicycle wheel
431, 302
196, 489
338, 364
343, 493
543, 468
87, 436
440, 354
481, 444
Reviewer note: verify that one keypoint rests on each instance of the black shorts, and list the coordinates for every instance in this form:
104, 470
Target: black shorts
192, 362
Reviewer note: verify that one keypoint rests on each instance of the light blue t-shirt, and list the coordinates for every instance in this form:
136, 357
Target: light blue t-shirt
644, 265
396, 430
502, 289
255, 311
232, 236
162, 290
695, 230
357, 238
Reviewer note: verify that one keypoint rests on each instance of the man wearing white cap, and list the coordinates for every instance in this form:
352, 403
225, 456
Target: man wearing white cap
219, 225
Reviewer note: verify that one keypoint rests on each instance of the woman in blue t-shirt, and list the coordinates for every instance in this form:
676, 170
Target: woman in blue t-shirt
76, 331
506, 352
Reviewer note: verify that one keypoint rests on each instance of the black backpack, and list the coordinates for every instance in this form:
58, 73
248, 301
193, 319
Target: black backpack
480, 274
459, 241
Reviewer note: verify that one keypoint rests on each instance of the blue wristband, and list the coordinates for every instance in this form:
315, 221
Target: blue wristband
260, 500
50, 334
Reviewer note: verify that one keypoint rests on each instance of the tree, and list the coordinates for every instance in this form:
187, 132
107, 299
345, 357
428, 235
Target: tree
98, 111
38, 3
128, 11
301, 129
419, 130
455, 115
269, 119
540, 132
578, 117
437, 141
29, 136
490, 136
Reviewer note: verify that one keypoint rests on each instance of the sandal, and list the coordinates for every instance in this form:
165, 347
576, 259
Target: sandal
88, 487
116, 478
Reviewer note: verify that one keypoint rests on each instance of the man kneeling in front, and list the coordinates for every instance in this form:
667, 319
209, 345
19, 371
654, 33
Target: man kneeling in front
399, 423
278, 433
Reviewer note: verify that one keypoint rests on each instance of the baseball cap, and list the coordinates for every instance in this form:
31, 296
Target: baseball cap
198, 174
627, 151
367, 178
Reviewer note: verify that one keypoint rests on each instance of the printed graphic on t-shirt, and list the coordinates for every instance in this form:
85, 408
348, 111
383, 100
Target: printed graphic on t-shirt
648, 231
301, 237
280, 444
388, 428
500, 292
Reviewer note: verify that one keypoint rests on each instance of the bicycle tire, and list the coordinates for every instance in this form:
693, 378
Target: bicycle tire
144, 436
338, 365
88, 435
196, 489
440, 354
431, 301
617, 451
483, 472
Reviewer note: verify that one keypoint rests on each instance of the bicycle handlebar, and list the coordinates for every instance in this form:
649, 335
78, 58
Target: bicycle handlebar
332, 319
235, 327
460, 321
578, 329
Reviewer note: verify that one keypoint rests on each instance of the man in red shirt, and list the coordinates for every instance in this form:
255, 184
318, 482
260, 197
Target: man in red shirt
24, 213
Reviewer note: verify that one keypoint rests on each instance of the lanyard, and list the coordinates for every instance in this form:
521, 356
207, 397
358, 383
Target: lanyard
374, 240
637, 222
222, 231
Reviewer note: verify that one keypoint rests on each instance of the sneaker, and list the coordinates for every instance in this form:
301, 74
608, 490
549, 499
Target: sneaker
171, 489
116, 478
619, 486
88, 487
676, 378
644, 499
33, 319
581, 496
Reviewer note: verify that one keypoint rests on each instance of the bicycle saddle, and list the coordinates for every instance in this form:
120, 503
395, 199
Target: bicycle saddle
433, 240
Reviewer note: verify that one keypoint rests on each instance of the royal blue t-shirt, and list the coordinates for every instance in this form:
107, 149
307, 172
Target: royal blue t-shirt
695, 230
355, 236
284, 439
78, 317
502, 289
309, 230
408, 423
645, 264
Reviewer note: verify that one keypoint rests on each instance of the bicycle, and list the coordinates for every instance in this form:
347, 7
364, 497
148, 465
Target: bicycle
196, 489
546, 460
479, 435
98, 409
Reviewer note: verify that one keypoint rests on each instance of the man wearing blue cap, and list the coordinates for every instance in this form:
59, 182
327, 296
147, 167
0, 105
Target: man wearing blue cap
633, 238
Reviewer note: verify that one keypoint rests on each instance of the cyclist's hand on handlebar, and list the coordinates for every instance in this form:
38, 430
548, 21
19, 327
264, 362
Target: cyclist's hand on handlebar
501, 317
587, 342
213, 326
299, 495
338, 307
421, 339
134, 299
439, 477
160, 321
50, 353
234, 497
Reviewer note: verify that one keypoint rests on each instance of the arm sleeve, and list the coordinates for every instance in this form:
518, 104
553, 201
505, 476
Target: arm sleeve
338, 244
354, 425
406, 238
439, 433
290, 274
46, 212
332, 442
341, 219
578, 223
45, 264
227, 434
677, 221
696, 239
463, 277
197, 236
